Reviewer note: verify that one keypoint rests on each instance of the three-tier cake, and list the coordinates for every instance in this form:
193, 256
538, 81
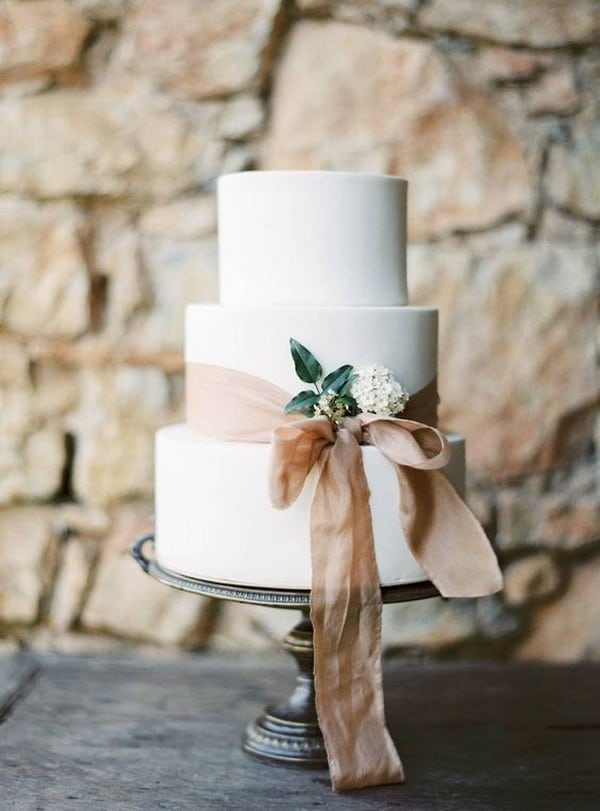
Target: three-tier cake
320, 257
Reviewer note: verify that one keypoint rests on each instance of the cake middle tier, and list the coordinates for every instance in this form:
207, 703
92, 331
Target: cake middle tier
255, 340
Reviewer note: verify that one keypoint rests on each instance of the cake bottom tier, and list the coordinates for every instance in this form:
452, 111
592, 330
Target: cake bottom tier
214, 520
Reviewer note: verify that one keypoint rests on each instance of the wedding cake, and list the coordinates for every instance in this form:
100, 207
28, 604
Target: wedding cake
319, 257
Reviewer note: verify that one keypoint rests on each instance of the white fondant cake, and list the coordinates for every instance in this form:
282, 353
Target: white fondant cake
214, 521
318, 256
312, 238
255, 339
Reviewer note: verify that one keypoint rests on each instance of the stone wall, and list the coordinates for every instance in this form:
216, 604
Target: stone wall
116, 117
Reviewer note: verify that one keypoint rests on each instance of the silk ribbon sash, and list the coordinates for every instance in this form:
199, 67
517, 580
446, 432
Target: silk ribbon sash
441, 532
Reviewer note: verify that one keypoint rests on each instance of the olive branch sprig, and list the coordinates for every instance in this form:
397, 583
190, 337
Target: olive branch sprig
331, 395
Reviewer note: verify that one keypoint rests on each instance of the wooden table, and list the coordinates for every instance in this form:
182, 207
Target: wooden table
121, 734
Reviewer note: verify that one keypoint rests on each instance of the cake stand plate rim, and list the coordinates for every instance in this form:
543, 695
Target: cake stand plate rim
276, 598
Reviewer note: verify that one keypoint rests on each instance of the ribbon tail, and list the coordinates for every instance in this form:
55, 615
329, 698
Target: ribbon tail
346, 615
444, 535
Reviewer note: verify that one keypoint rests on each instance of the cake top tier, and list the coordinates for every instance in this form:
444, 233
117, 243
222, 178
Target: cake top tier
321, 238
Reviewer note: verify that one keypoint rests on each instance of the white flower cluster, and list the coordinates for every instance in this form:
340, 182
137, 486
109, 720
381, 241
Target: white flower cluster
376, 390
329, 406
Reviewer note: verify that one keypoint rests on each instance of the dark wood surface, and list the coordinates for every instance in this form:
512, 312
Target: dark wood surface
123, 734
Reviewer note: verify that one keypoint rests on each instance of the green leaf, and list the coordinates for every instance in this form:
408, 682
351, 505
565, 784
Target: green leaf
348, 384
350, 402
305, 401
307, 366
335, 381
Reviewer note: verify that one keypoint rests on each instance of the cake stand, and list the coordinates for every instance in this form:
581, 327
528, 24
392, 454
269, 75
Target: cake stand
287, 732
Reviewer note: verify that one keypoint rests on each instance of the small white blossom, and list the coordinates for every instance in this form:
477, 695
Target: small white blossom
329, 406
376, 390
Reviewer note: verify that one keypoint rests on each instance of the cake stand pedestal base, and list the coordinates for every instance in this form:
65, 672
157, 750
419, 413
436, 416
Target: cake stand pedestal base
289, 732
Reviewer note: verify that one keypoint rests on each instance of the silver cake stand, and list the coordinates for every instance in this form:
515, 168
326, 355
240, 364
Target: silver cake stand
287, 732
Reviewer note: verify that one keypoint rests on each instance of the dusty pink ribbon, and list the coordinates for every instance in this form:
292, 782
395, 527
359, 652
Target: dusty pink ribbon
440, 530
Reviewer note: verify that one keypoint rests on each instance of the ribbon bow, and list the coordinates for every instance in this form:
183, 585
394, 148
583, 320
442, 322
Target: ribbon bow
440, 530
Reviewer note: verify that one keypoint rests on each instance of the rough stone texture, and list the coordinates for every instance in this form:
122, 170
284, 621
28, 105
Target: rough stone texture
568, 628
116, 269
241, 117
534, 326
71, 583
178, 271
564, 514
33, 402
366, 5
146, 269
126, 603
574, 171
44, 284
79, 519
419, 124
104, 10
118, 413
117, 116
240, 158
248, 627
503, 65
188, 218
42, 462
431, 624
39, 37
562, 227
115, 140
540, 23
199, 50
31, 467
26, 553
554, 93
442, 625
395, 15
530, 578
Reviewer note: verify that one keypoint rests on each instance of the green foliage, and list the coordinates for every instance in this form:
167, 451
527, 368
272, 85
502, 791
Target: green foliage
305, 401
337, 383
336, 380
345, 389
307, 366
350, 404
